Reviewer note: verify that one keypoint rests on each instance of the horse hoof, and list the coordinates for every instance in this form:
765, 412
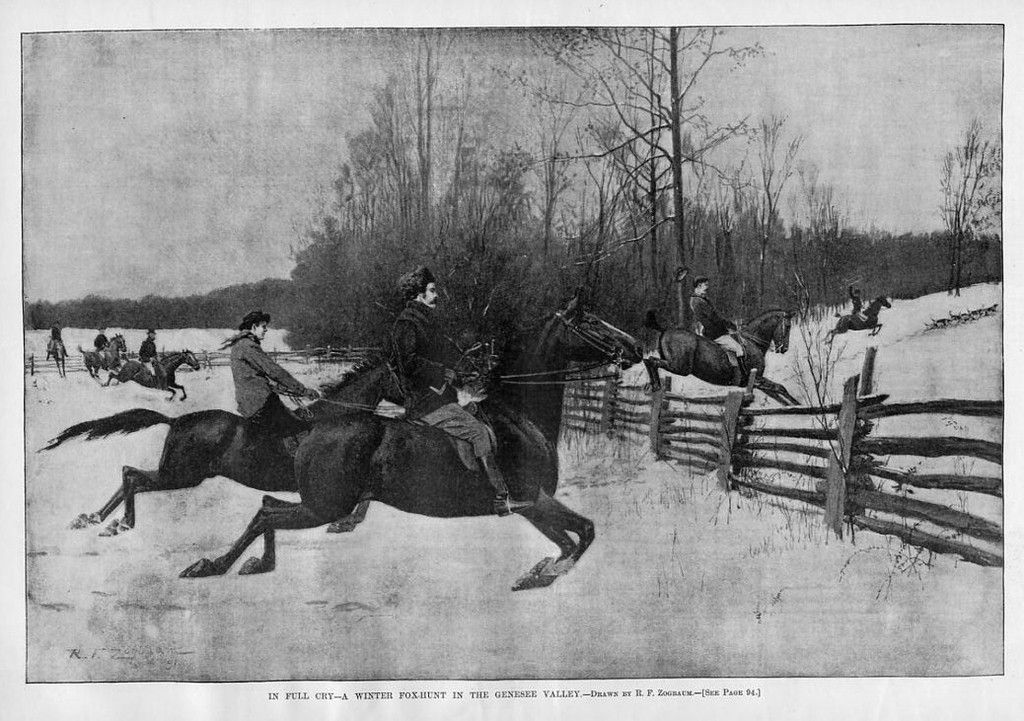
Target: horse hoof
255, 565
342, 526
540, 576
200, 569
85, 520
116, 527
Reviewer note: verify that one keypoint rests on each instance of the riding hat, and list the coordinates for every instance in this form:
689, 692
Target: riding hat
414, 282
253, 318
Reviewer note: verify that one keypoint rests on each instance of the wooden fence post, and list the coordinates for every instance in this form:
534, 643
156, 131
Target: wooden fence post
657, 402
839, 462
730, 419
867, 371
32, 364
607, 401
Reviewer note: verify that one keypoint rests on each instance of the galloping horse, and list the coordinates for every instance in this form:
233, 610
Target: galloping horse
685, 353
855, 322
210, 443
133, 370
416, 469
107, 359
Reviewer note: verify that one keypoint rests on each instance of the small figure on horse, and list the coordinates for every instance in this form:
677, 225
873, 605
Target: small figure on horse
55, 349
107, 355
257, 380
148, 357
857, 302
714, 326
866, 319
424, 365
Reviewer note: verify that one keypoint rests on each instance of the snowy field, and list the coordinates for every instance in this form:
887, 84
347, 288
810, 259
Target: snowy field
682, 581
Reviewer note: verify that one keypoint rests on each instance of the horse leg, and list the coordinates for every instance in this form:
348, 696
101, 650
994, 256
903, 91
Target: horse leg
777, 391
555, 521
349, 522
172, 386
133, 480
876, 329
85, 520
271, 517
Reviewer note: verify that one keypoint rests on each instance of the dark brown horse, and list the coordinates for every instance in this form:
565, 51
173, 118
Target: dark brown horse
416, 469
685, 353
856, 322
212, 443
133, 370
107, 359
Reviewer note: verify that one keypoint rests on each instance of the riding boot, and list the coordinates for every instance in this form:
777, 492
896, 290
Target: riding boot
737, 373
503, 506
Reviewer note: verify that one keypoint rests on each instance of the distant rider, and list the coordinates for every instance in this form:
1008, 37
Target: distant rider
423, 363
148, 357
715, 327
101, 341
257, 379
858, 302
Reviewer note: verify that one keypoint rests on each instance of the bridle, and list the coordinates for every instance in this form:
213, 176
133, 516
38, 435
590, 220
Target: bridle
592, 339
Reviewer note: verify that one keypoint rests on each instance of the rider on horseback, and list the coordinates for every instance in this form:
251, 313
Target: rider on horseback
715, 327
101, 341
254, 372
423, 364
858, 302
148, 358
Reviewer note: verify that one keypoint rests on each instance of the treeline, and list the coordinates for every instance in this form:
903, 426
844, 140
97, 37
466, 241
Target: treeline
221, 308
518, 184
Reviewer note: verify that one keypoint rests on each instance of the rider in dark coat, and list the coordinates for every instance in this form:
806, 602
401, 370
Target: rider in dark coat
715, 327
858, 302
424, 365
148, 357
101, 341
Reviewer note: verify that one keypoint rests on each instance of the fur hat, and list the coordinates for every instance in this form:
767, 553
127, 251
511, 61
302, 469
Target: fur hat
253, 318
415, 282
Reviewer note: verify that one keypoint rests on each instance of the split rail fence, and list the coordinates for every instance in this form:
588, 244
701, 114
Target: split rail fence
833, 448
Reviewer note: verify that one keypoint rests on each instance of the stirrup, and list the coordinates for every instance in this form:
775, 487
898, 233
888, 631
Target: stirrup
503, 506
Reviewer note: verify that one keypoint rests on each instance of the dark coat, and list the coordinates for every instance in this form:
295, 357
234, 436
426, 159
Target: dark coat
147, 351
704, 313
856, 299
101, 342
421, 354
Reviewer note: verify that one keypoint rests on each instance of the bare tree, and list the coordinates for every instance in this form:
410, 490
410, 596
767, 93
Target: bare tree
971, 194
776, 160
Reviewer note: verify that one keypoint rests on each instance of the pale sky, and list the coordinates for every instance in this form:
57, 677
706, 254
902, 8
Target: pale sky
175, 163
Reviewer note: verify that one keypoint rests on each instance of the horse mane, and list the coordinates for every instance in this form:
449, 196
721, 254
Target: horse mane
764, 314
370, 361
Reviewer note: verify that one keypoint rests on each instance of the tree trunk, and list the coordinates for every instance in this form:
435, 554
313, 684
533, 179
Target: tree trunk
686, 316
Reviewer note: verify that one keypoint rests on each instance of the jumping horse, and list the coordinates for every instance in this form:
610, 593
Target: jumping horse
133, 370
868, 322
417, 469
107, 359
684, 353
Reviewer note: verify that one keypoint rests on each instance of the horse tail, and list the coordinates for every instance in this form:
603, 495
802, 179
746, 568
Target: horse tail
123, 422
651, 321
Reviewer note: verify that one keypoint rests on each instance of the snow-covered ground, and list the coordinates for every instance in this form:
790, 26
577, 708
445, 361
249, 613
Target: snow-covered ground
682, 580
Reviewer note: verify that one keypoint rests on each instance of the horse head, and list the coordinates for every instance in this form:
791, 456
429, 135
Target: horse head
364, 385
586, 338
771, 327
190, 359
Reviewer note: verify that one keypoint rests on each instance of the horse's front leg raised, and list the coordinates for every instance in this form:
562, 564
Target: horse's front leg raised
181, 388
877, 328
